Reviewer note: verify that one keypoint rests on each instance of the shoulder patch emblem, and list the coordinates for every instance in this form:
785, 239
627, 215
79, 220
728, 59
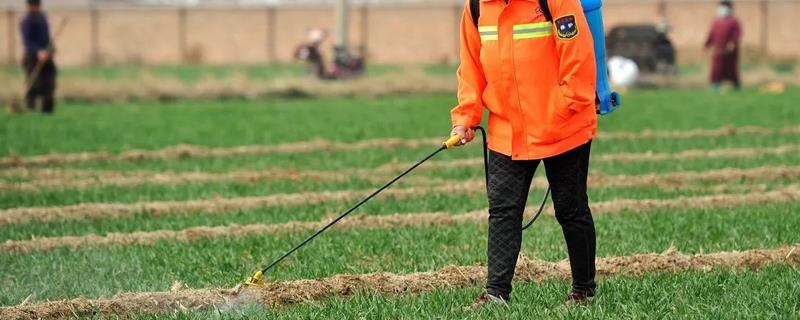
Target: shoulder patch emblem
566, 27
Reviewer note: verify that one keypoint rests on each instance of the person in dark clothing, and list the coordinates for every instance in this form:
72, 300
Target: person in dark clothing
723, 40
40, 70
538, 81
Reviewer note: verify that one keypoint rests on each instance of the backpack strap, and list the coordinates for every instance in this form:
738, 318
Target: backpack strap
546, 10
475, 10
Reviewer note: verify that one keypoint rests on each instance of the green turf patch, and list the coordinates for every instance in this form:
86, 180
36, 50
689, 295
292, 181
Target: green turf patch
228, 189
432, 202
230, 123
225, 261
378, 157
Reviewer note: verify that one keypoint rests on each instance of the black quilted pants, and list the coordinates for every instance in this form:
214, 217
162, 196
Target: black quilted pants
509, 182
43, 87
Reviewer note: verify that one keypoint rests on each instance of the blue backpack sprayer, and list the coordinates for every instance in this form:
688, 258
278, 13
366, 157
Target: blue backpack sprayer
607, 101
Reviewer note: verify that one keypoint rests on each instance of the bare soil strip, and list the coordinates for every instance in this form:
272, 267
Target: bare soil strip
693, 133
194, 151
791, 130
200, 233
220, 205
278, 294
788, 194
625, 157
81, 179
698, 153
680, 179
469, 187
50, 173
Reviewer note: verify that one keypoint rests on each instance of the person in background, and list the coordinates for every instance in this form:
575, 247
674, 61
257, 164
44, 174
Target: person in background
311, 53
724, 40
663, 25
665, 63
40, 70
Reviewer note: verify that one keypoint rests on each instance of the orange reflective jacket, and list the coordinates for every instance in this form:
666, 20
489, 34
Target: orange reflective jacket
537, 78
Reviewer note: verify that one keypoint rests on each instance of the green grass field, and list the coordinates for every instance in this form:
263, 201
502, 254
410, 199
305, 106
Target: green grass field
93, 271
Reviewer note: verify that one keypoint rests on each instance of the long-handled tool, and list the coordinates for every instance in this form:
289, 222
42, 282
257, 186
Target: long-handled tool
14, 105
257, 280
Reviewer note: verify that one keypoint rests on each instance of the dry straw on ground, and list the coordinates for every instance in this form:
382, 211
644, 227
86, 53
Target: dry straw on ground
221, 205
82, 179
192, 151
628, 157
451, 277
37, 179
787, 194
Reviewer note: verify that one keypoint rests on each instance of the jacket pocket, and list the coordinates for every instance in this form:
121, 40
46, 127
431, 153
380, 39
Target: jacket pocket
559, 117
562, 109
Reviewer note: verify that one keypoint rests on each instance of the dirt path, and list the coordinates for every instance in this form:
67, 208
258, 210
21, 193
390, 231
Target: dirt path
683, 180
788, 194
194, 151
277, 294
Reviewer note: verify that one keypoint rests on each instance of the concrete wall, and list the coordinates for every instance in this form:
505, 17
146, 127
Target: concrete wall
782, 37
420, 33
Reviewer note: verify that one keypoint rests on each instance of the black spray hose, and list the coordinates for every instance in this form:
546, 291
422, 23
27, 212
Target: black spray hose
486, 175
353, 208
541, 209
485, 156
257, 280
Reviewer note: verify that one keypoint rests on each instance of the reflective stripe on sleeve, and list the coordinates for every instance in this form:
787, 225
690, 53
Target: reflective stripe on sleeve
488, 32
533, 30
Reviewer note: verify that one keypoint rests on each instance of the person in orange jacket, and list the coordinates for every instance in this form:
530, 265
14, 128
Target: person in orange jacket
536, 75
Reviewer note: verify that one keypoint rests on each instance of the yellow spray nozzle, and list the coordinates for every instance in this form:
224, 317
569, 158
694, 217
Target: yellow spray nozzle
452, 142
257, 280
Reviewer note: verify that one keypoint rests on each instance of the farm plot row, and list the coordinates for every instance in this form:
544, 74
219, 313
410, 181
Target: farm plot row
118, 231
21, 223
714, 224
215, 124
22, 187
192, 151
283, 293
